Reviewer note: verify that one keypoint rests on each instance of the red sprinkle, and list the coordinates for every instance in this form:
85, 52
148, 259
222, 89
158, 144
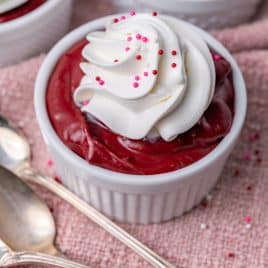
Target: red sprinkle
145, 39
58, 180
249, 188
154, 13
98, 78
259, 160
256, 152
204, 204
173, 52
237, 173
136, 84
160, 52
138, 57
231, 255
116, 20
174, 65
116, 60
154, 72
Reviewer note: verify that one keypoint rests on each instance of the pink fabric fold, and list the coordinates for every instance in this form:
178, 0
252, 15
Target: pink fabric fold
228, 230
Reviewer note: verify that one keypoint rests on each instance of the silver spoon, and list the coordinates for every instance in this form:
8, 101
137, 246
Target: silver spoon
12, 140
26, 226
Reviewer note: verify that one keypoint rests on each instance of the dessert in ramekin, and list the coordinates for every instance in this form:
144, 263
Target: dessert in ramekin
29, 27
141, 117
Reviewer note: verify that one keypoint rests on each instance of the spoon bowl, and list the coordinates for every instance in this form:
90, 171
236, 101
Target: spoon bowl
12, 140
26, 223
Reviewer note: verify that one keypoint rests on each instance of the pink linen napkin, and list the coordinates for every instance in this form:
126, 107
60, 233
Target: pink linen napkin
229, 229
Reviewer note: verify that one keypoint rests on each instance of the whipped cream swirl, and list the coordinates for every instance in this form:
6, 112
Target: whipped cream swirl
146, 76
7, 5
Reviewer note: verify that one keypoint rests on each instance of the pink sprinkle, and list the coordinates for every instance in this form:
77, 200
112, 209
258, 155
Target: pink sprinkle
127, 49
137, 78
101, 82
136, 84
129, 39
116, 60
145, 73
50, 163
132, 13
216, 57
247, 157
253, 137
145, 39
85, 102
138, 36
122, 17
248, 219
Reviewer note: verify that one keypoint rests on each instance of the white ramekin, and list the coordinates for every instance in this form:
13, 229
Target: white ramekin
34, 32
136, 198
208, 14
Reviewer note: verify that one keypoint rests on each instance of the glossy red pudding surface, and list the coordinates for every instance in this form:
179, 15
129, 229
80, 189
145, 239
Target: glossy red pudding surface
100, 146
21, 10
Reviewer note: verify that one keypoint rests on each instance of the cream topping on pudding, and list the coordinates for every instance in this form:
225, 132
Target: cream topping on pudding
7, 5
146, 76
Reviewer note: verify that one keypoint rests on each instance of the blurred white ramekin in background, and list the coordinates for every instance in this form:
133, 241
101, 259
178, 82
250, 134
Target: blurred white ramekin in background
34, 32
208, 14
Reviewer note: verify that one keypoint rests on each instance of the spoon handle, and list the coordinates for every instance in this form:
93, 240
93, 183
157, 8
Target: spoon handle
13, 259
97, 217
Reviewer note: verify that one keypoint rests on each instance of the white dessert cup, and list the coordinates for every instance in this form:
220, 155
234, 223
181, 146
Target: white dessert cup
137, 198
34, 32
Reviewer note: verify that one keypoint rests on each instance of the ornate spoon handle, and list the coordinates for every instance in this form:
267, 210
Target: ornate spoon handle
12, 259
101, 220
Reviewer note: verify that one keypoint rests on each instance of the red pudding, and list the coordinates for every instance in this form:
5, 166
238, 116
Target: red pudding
99, 146
21, 10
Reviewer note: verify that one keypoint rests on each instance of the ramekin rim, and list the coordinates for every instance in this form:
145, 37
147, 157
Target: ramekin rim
29, 17
114, 177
